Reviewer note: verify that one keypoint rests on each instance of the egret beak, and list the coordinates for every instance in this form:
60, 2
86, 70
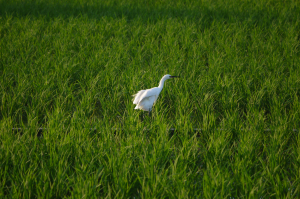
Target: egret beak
174, 76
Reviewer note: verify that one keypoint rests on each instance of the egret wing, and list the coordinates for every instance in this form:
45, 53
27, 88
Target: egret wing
146, 103
149, 93
137, 96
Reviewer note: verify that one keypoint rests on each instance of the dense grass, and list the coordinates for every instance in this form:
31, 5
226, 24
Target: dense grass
73, 65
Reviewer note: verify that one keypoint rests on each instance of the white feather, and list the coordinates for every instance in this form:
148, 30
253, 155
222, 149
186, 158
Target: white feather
145, 99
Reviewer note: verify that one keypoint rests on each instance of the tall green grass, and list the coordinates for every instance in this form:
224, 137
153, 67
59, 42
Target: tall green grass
73, 66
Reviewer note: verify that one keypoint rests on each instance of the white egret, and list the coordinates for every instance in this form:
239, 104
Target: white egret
145, 99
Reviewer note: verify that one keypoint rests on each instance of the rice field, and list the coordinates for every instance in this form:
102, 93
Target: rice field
227, 128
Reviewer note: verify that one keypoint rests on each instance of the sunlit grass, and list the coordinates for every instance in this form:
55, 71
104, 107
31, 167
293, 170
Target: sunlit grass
72, 67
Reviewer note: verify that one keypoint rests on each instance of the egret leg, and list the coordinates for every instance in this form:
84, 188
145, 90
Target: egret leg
149, 112
142, 116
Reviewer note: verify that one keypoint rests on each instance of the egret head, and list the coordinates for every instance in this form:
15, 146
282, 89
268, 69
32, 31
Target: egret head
164, 78
170, 76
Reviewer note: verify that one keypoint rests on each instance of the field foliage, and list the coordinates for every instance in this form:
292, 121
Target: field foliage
71, 67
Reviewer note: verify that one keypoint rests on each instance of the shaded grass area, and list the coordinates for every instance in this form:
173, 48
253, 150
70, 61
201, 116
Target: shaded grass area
72, 66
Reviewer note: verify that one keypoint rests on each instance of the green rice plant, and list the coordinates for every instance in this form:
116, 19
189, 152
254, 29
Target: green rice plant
228, 128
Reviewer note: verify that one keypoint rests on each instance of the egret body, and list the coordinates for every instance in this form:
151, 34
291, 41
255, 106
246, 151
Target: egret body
145, 99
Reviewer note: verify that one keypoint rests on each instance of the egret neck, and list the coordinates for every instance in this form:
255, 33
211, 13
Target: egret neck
162, 81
